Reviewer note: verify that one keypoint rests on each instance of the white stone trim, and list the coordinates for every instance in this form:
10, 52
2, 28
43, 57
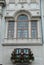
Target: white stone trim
39, 28
29, 29
15, 25
7, 20
6, 29
24, 41
29, 17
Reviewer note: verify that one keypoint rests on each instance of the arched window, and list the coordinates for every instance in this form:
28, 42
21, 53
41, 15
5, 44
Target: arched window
22, 26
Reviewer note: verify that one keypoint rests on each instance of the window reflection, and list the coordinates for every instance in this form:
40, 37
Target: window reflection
18, 51
10, 29
26, 51
34, 29
22, 26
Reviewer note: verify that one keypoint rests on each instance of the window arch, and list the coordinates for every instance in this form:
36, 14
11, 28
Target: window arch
22, 26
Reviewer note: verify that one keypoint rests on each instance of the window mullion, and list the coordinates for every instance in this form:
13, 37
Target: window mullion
15, 29
6, 30
29, 29
39, 30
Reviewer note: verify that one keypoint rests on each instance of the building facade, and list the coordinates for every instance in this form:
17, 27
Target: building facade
21, 26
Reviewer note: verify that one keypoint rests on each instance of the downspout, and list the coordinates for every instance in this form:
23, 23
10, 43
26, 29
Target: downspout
41, 20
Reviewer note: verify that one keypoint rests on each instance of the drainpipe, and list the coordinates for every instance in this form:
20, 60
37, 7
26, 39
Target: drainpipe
41, 19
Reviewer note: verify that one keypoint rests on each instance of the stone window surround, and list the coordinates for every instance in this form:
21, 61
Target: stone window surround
23, 29
30, 40
15, 24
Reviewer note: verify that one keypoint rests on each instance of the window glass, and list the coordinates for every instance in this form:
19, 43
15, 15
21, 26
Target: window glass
26, 56
10, 29
34, 29
22, 26
18, 51
26, 51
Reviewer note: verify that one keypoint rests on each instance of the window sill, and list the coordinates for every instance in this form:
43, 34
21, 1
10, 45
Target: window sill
22, 2
37, 44
22, 42
33, 2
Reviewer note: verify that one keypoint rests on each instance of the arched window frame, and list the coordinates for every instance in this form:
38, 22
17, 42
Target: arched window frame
27, 28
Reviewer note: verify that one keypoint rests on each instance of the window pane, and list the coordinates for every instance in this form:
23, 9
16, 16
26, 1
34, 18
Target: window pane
34, 29
26, 51
18, 51
22, 17
22, 26
10, 29
26, 56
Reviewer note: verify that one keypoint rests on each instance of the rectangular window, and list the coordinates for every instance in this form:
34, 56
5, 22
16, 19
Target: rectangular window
10, 29
34, 29
18, 51
26, 51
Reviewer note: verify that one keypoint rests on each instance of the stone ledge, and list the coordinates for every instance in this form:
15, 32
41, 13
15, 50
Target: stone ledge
22, 44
